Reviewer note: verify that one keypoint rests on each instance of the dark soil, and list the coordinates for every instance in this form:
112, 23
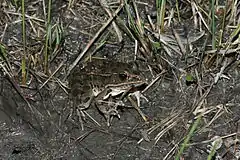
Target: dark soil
42, 129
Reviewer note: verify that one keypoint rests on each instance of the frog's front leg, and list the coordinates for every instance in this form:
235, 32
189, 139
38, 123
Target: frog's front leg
135, 104
108, 109
138, 95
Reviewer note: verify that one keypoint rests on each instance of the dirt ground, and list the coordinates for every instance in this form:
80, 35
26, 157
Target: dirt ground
37, 125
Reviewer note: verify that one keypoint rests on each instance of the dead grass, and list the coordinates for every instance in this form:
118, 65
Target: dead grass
194, 44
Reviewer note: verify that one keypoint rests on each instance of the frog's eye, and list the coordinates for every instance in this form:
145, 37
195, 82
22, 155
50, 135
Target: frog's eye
123, 76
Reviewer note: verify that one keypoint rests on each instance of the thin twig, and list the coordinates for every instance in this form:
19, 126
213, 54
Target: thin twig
94, 39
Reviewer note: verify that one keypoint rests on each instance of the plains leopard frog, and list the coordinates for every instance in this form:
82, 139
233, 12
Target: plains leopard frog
105, 84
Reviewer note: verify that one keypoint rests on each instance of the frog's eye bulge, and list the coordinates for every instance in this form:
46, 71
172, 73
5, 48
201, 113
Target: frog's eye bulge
123, 76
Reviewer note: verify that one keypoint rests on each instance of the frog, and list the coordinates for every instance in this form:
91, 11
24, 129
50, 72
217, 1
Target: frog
106, 84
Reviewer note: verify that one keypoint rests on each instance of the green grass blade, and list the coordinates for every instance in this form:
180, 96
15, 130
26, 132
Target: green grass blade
23, 65
187, 139
213, 25
160, 14
48, 37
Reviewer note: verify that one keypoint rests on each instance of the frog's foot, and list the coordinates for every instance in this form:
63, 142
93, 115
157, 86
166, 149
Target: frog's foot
109, 109
81, 117
109, 115
138, 95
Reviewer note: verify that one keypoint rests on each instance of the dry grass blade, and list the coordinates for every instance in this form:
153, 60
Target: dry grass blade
218, 110
94, 39
80, 138
179, 42
165, 126
169, 45
160, 75
165, 130
137, 107
211, 140
50, 77
86, 113
219, 74
194, 13
3, 56
4, 31
26, 16
105, 6
200, 14
198, 105
138, 21
195, 38
235, 34
126, 29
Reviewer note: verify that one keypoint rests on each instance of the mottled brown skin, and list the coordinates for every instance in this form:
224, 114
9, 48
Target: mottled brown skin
106, 76
100, 73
